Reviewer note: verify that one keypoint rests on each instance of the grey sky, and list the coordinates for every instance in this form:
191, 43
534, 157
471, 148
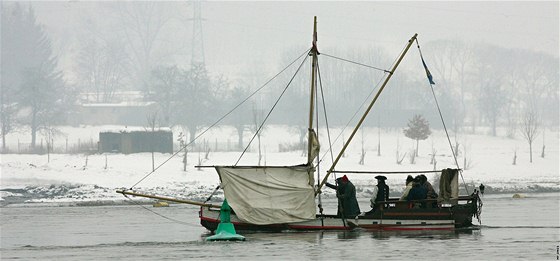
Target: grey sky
235, 31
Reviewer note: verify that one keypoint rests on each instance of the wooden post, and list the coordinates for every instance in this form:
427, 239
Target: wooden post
184, 201
313, 53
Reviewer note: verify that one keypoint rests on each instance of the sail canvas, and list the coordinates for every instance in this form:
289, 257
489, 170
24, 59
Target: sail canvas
269, 195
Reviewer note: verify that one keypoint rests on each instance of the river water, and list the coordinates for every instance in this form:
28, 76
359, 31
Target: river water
512, 229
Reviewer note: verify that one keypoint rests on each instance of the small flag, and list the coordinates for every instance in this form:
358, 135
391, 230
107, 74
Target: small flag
430, 78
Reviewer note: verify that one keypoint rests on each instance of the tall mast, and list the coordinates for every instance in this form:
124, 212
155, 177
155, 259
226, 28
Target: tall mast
367, 111
313, 52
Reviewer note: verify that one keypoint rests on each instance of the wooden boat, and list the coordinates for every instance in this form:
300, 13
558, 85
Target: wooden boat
393, 214
283, 198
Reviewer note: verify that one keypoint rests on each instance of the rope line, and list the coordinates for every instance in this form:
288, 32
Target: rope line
271, 109
158, 214
325, 113
357, 63
220, 119
443, 122
353, 116
319, 200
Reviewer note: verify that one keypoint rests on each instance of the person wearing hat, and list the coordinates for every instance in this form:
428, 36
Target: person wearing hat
431, 193
346, 194
409, 184
380, 193
417, 192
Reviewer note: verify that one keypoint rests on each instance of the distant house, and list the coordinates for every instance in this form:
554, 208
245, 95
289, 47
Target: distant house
123, 108
136, 140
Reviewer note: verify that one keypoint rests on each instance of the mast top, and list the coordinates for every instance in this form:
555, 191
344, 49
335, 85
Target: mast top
314, 42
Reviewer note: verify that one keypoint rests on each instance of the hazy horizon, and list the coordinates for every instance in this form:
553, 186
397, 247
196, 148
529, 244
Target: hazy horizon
238, 35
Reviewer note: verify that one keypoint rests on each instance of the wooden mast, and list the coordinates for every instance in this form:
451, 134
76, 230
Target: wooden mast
313, 52
366, 113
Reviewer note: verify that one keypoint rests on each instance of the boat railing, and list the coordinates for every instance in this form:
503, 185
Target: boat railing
424, 203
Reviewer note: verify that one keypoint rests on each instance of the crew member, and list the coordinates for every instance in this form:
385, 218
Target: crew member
380, 193
409, 183
346, 194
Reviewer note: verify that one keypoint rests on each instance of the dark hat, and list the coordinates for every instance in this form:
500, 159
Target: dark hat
380, 177
344, 178
409, 179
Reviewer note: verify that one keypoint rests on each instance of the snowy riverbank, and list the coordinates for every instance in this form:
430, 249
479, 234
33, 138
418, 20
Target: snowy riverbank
94, 178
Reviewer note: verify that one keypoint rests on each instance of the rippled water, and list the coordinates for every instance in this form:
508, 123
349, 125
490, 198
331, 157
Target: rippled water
524, 229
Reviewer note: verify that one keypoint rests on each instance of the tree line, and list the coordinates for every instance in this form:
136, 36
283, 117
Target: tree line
477, 84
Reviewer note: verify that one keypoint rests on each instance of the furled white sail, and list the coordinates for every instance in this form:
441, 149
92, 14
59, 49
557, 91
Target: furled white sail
269, 195
315, 147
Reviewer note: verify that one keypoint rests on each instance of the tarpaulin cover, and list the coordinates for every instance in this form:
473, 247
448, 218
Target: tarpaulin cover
269, 195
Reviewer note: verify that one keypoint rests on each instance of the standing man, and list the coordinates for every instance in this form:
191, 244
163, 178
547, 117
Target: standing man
380, 193
346, 194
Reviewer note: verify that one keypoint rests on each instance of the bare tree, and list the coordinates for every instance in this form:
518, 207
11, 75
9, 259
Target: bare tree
195, 100
165, 84
257, 121
240, 121
363, 154
153, 124
529, 129
142, 24
102, 67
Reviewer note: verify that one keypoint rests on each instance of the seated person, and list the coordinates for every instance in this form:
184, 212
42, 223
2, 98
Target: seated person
409, 183
417, 192
431, 193
380, 193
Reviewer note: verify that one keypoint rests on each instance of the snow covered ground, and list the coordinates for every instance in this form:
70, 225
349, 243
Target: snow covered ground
94, 178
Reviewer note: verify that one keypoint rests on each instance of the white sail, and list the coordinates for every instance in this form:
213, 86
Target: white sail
314, 146
269, 195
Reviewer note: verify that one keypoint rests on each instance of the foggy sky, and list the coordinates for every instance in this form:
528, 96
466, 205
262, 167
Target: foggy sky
238, 35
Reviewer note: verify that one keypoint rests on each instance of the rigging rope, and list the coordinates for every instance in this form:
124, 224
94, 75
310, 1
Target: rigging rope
353, 117
212, 194
271, 109
220, 119
319, 200
367, 98
349, 61
325, 112
443, 122
158, 214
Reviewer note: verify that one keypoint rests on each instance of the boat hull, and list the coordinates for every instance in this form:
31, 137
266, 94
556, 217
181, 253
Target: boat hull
391, 218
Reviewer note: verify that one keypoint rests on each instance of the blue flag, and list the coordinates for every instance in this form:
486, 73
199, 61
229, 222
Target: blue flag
430, 78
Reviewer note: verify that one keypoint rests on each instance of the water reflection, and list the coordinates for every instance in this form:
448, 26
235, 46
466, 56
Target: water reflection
316, 237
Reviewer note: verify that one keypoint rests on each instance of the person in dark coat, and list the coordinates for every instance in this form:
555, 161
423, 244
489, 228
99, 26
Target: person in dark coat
417, 192
346, 194
380, 193
431, 193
